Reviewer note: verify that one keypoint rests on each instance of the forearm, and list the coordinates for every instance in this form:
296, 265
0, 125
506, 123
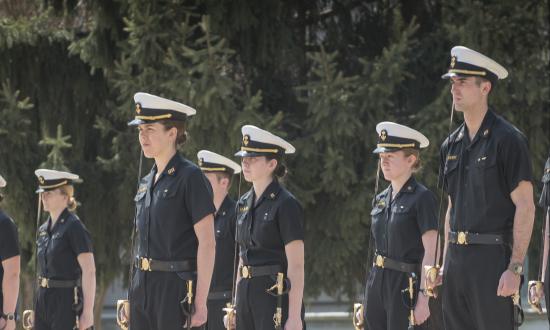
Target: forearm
295, 274
10, 285
88, 290
523, 227
546, 248
446, 234
205, 266
429, 241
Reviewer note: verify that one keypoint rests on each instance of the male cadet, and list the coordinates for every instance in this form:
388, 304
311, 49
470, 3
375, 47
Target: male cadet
487, 174
9, 268
219, 171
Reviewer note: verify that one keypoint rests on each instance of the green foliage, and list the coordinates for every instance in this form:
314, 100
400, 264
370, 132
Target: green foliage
319, 73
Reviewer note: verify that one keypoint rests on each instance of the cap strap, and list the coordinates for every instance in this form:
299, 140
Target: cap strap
472, 72
395, 145
165, 116
214, 169
55, 185
275, 151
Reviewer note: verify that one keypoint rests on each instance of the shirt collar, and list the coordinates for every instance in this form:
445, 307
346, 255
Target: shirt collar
60, 222
172, 166
271, 192
224, 208
485, 128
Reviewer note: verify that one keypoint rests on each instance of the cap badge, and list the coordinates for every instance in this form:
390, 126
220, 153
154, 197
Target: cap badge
138, 108
383, 135
246, 139
41, 180
453, 61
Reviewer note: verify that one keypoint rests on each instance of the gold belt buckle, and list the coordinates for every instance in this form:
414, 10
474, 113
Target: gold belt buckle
44, 282
245, 272
380, 261
145, 264
461, 238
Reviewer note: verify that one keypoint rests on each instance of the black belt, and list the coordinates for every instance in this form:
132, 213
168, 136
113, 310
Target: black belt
385, 262
465, 238
57, 284
219, 295
255, 271
151, 265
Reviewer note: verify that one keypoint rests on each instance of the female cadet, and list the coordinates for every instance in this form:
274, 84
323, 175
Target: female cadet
270, 234
175, 241
9, 268
66, 276
404, 229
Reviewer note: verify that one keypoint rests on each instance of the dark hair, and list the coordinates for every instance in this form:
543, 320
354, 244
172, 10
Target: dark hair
181, 137
280, 171
480, 80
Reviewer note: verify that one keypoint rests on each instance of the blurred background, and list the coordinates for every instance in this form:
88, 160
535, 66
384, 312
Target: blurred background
320, 73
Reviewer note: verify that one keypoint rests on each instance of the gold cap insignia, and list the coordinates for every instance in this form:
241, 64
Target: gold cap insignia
453, 61
171, 171
201, 161
383, 135
138, 108
41, 180
246, 139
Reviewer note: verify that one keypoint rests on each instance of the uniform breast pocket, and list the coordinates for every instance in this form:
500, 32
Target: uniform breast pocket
165, 198
450, 173
485, 171
42, 239
139, 199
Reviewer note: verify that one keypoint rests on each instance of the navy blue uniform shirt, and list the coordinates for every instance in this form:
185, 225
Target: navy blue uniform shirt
60, 245
265, 227
398, 225
480, 175
168, 209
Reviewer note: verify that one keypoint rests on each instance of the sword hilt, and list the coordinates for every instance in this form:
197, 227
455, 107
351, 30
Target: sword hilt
430, 277
230, 314
358, 323
534, 301
28, 319
123, 313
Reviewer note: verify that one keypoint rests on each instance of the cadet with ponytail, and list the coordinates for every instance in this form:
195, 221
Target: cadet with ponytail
270, 234
66, 268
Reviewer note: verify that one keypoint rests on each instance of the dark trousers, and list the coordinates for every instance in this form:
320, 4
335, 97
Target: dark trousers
385, 308
256, 307
53, 309
155, 301
216, 313
471, 278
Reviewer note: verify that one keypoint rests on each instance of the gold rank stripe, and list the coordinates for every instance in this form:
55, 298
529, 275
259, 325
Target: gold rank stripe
259, 150
213, 169
166, 116
395, 145
481, 73
54, 185
452, 157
